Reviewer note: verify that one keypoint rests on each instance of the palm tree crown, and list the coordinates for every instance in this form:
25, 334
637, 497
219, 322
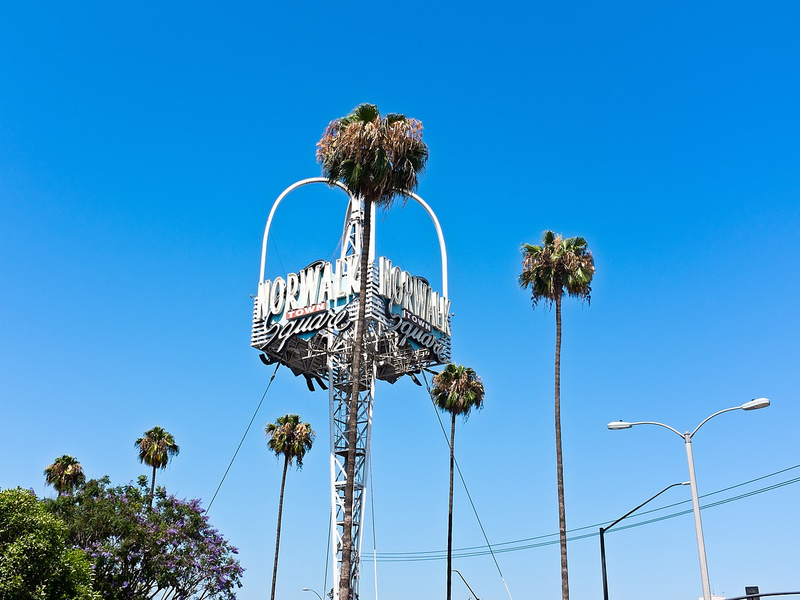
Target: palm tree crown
65, 474
375, 157
457, 390
559, 265
290, 438
156, 448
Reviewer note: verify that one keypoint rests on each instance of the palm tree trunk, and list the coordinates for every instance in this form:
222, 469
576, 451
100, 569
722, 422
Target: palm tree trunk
352, 415
562, 516
152, 486
450, 511
278, 535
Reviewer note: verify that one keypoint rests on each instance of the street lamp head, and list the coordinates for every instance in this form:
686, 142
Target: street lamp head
755, 404
619, 425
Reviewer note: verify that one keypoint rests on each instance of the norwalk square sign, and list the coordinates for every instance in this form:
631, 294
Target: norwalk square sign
305, 320
315, 302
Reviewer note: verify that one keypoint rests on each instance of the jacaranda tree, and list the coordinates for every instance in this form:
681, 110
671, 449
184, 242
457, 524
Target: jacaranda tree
139, 552
550, 270
377, 158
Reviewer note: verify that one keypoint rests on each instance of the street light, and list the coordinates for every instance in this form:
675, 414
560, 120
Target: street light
687, 438
310, 590
604, 529
465, 582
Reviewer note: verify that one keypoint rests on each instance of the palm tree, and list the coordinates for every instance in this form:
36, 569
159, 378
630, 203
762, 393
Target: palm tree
377, 158
291, 438
65, 474
456, 390
557, 266
156, 449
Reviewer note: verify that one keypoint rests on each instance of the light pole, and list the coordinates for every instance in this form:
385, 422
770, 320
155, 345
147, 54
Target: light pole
465, 583
604, 529
687, 438
310, 590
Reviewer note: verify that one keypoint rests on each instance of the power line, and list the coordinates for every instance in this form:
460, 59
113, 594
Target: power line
246, 431
532, 542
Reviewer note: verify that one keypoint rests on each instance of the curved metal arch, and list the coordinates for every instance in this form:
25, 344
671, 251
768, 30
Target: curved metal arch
439, 233
414, 196
283, 195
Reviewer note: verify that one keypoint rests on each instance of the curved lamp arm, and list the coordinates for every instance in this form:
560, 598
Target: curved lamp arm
753, 404
707, 419
465, 583
629, 513
310, 590
625, 425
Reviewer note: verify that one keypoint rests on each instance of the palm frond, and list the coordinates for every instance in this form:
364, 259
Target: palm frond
65, 474
376, 158
157, 447
457, 390
289, 437
559, 265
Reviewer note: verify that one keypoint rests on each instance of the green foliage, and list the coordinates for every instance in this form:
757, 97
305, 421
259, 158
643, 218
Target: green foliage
138, 552
556, 266
290, 438
35, 561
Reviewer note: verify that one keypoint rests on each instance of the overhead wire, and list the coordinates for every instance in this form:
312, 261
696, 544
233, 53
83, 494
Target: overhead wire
246, 431
523, 545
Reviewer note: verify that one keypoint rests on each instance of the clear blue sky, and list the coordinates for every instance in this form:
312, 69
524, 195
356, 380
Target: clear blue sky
142, 145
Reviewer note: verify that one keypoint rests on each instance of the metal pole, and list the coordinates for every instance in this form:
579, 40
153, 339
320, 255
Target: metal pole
698, 524
603, 562
754, 404
625, 516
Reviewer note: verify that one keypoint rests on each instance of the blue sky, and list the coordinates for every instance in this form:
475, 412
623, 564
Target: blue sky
142, 145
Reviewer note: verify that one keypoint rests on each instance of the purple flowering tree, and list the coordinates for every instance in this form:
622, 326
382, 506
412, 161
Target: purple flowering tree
169, 552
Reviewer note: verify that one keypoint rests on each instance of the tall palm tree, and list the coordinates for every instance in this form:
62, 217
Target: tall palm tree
156, 448
377, 158
457, 390
65, 474
557, 266
291, 438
